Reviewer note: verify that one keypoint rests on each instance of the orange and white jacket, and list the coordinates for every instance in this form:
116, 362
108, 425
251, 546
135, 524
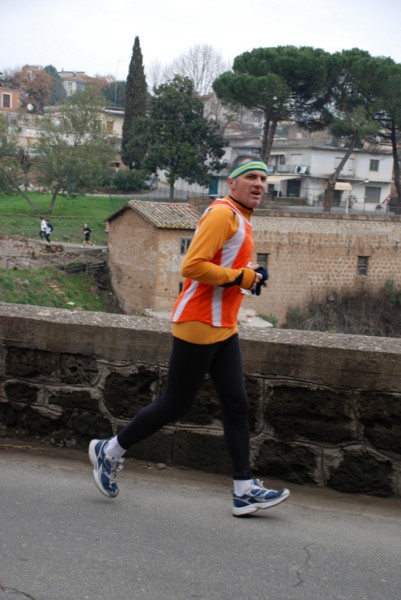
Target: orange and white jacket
215, 266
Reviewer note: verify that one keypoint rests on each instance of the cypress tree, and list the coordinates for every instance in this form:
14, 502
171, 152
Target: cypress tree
57, 90
132, 153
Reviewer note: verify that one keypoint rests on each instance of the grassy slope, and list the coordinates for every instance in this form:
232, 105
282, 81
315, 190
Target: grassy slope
70, 213
53, 287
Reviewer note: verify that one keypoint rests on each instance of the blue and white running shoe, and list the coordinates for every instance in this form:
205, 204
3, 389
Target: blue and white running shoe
104, 468
257, 497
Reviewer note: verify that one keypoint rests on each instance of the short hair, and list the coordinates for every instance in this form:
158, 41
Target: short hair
239, 160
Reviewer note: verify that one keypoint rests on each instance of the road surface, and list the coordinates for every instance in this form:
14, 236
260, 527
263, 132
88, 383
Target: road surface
170, 535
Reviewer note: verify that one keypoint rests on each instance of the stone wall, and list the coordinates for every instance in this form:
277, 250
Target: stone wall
310, 256
325, 408
144, 263
21, 253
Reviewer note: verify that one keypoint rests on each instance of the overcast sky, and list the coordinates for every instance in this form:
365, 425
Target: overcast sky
97, 36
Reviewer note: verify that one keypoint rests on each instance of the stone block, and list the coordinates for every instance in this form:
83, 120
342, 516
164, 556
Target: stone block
361, 473
317, 415
76, 369
124, 395
8, 416
83, 425
30, 362
200, 450
156, 448
286, 461
380, 415
32, 422
20, 392
79, 399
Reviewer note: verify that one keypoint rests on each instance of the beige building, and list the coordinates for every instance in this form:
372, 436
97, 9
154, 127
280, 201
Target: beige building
308, 255
9, 99
74, 81
147, 242
312, 255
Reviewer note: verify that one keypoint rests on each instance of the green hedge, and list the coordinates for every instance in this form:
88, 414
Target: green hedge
129, 181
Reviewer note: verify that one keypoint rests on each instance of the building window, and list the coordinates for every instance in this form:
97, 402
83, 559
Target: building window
262, 260
109, 126
6, 100
362, 268
374, 165
184, 245
372, 194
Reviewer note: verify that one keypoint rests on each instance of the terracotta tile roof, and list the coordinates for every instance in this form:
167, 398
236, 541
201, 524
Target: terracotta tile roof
167, 215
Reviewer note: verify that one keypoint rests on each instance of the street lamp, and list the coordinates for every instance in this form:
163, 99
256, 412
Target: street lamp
115, 87
364, 196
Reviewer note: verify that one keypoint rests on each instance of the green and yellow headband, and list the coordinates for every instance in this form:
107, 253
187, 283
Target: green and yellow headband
253, 165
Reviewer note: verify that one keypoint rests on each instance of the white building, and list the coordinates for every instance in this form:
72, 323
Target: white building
301, 170
74, 81
301, 164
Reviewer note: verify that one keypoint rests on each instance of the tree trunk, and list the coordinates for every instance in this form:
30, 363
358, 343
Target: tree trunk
31, 204
329, 195
25, 196
171, 195
332, 180
396, 162
265, 152
270, 139
53, 200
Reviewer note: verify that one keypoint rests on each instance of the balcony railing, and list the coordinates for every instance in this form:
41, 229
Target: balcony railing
296, 169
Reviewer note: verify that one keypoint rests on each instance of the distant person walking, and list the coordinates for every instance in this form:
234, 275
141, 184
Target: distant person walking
49, 229
43, 227
86, 232
218, 268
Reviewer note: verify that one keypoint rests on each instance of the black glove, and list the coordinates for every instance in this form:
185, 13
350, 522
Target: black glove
262, 282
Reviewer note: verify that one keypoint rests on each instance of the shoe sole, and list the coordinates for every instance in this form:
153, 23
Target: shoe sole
252, 508
93, 459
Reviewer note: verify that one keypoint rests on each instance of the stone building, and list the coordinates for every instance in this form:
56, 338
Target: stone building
147, 241
309, 255
9, 99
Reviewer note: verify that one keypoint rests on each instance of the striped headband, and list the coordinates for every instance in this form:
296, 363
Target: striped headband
253, 165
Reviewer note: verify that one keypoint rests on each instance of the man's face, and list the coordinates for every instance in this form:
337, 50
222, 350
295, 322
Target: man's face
248, 188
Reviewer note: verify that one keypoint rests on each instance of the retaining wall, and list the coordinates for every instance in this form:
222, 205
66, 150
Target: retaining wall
325, 408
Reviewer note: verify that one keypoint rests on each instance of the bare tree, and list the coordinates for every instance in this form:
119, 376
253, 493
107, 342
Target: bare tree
202, 64
157, 74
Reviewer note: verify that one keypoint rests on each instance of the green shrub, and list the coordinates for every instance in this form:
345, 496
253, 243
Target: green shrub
270, 318
360, 312
129, 181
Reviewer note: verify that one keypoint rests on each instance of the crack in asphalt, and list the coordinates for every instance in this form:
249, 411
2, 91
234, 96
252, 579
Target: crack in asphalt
14, 591
302, 567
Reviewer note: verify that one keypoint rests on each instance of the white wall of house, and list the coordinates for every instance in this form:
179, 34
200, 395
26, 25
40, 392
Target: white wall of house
370, 174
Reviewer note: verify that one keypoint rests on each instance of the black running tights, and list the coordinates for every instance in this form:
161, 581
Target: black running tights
188, 365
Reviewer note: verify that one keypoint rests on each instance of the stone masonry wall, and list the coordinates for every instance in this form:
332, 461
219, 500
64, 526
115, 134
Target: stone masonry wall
21, 253
144, 263
310, 255
325, 408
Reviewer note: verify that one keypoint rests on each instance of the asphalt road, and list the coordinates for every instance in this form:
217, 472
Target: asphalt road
170, 535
